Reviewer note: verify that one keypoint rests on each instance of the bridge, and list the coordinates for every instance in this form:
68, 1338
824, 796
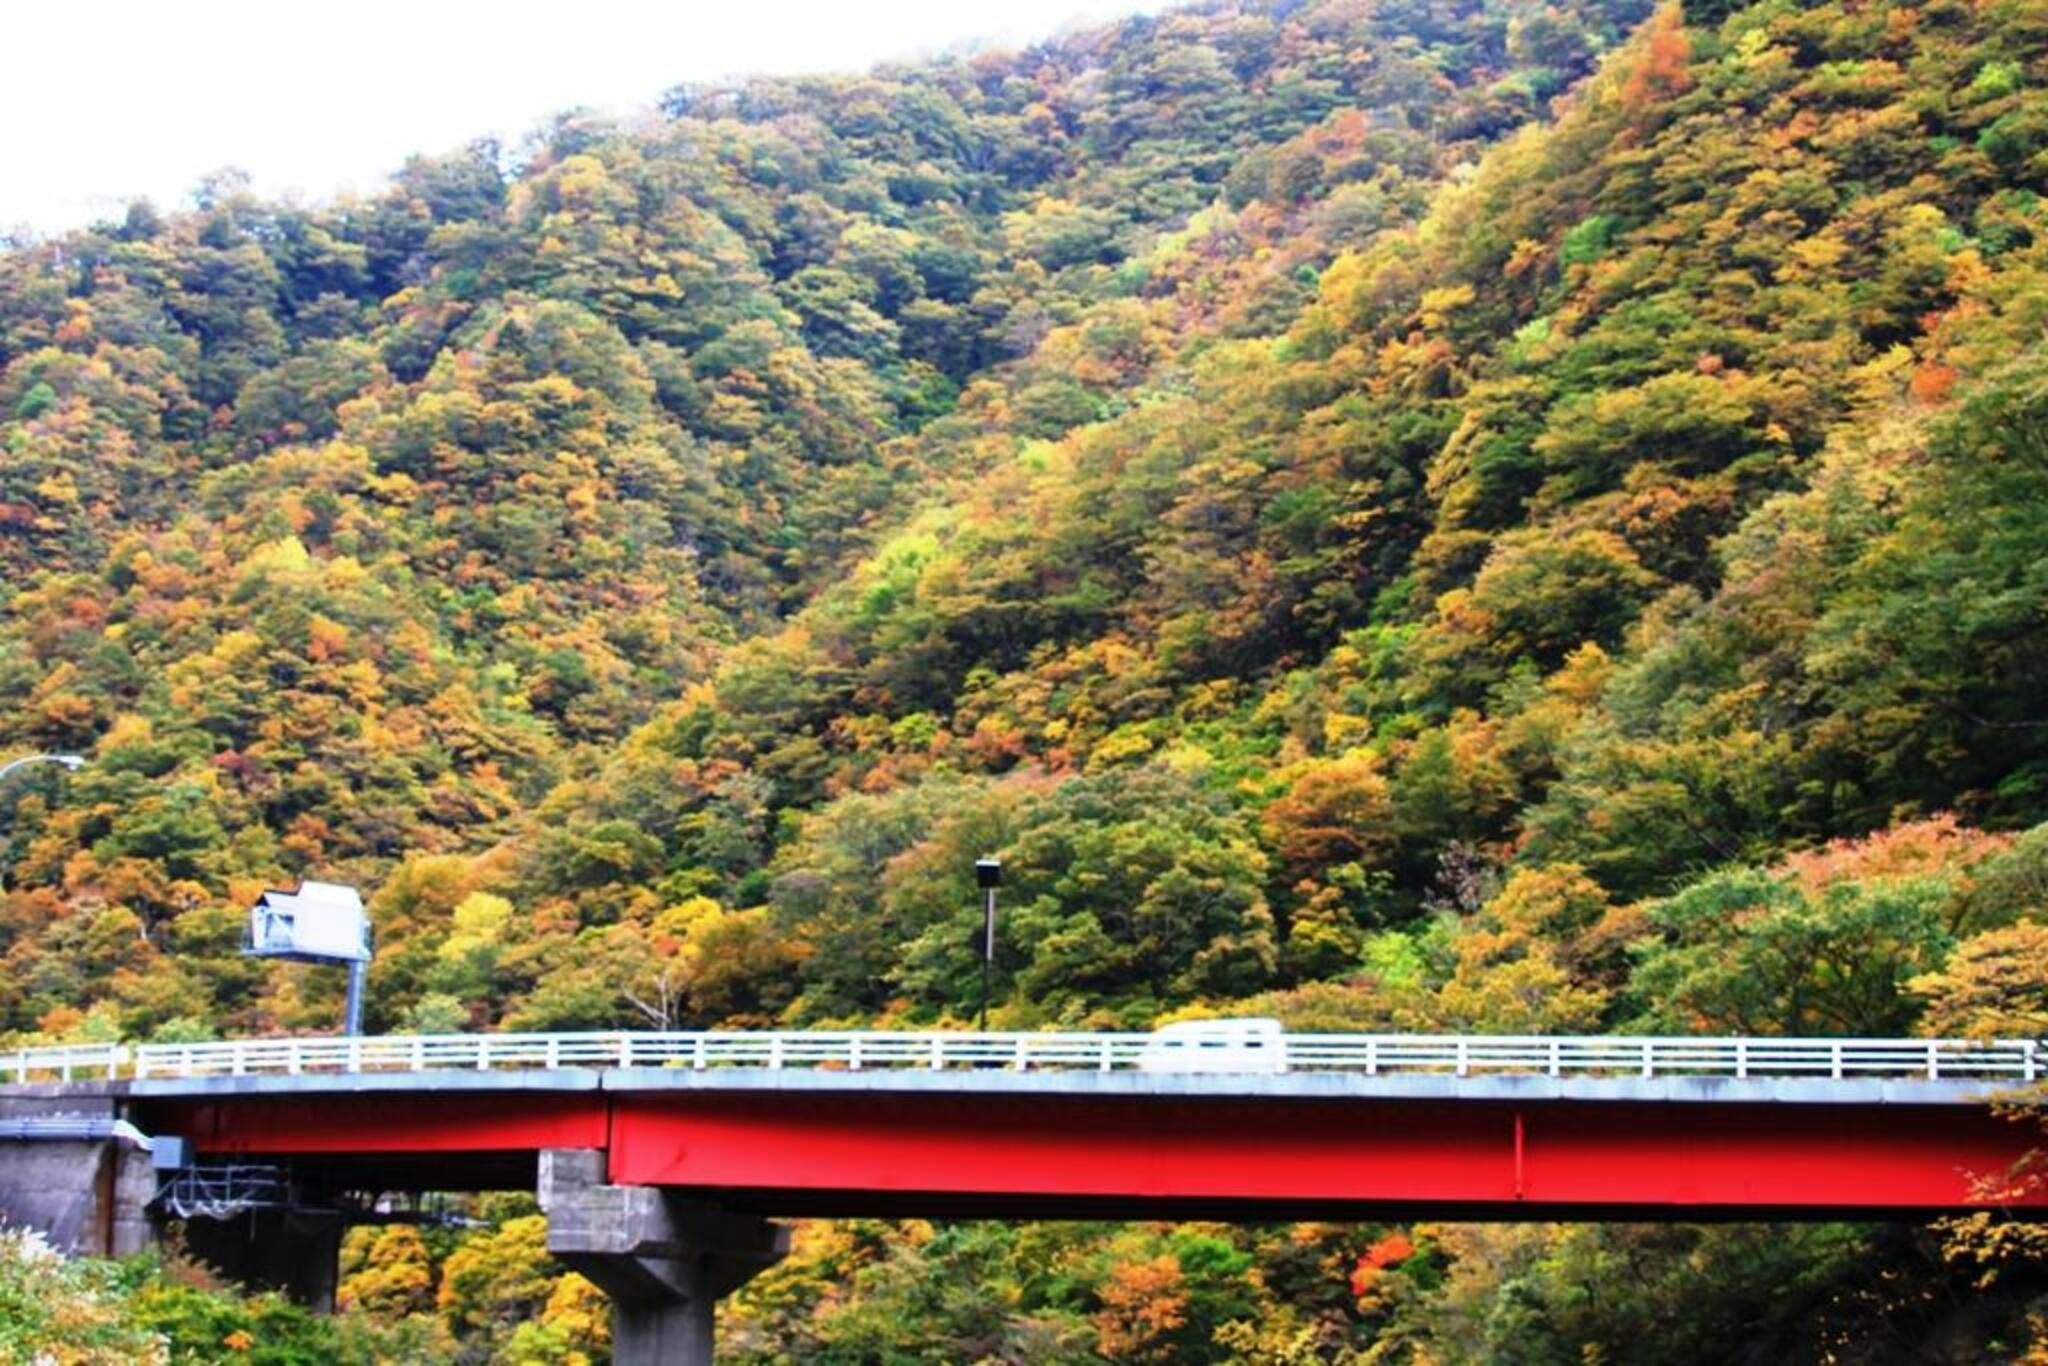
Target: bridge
660, 1157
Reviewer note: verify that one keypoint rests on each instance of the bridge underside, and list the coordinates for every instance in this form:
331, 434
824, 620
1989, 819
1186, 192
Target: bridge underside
990, 1154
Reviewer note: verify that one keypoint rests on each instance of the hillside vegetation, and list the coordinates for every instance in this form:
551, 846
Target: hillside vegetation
1426, 516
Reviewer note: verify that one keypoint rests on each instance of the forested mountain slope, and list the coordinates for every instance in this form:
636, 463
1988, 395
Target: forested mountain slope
1437, 516
345, 534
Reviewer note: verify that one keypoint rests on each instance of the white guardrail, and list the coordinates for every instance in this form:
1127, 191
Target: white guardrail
1370, 1054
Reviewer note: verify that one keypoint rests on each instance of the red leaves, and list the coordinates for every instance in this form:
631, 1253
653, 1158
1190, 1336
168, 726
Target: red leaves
1391, 1250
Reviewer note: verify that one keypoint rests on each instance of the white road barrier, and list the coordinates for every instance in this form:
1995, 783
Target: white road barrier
1369, 1054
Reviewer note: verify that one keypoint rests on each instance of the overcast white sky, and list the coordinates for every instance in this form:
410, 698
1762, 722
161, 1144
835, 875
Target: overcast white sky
107, 101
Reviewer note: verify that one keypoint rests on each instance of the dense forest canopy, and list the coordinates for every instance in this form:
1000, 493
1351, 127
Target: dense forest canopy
1423, 514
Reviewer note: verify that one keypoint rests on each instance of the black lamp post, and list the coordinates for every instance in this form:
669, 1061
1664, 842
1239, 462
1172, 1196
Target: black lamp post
988, 875
70, 762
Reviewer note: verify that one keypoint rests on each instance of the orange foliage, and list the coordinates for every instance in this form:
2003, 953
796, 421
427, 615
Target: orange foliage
1661, 73
1143, 1305
1391, 1250
325, 639
1937, 844
1337, 810
1932, 382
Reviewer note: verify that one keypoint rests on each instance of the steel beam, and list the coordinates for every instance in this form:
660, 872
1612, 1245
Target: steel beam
1159, 1147
1560, 1160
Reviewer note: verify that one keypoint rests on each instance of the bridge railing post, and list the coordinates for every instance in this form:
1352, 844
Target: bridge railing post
1933, 1062
1556, 1058
1464, 1064
2027, 1060
1835, 1060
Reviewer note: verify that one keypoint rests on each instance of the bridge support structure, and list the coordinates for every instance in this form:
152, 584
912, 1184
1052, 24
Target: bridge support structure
297, 1252
72, 1171
664, 1260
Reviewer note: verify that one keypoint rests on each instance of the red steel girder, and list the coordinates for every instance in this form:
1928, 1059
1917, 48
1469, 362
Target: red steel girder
1134, 1155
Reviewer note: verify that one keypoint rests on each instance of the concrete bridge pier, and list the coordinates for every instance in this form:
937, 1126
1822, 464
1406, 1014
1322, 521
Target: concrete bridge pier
665, 1261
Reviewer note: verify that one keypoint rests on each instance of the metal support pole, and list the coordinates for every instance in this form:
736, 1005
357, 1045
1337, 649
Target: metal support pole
352, 1022
988, 947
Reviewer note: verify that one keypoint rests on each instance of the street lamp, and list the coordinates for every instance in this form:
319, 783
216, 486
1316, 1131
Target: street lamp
74, 762
71, 762
988, 875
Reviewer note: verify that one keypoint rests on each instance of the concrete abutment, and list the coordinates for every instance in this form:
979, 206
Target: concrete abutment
72, 1172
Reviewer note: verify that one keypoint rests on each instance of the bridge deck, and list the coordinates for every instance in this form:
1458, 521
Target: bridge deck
949, 1123
1094, 1144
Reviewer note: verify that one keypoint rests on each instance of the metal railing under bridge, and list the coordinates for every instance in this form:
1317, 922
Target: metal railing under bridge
2012, 1061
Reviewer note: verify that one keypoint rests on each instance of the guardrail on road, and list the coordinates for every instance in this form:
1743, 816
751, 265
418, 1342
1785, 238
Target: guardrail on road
1370, 1054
